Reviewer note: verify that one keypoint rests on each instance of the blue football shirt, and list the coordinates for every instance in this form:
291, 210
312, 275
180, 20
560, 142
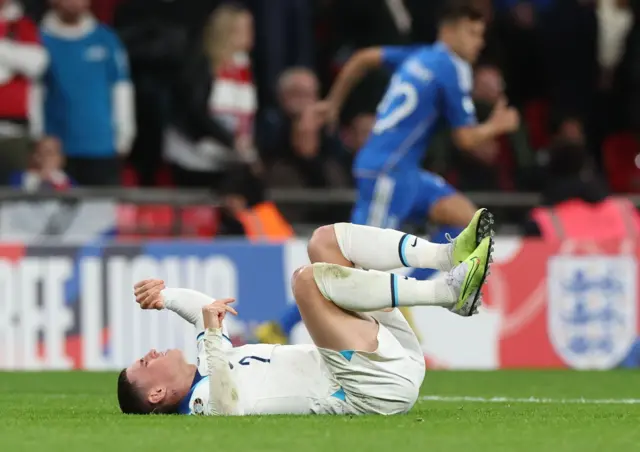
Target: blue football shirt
430, 83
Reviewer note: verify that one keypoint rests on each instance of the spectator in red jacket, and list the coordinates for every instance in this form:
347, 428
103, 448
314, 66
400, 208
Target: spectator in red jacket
22, 60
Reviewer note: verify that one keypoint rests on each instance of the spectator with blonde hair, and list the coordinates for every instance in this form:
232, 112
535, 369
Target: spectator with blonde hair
214, 103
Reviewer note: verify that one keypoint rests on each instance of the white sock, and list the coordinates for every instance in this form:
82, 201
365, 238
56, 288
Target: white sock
388, 249
371, 290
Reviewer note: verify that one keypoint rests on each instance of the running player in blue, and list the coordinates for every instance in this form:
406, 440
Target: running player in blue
430, 84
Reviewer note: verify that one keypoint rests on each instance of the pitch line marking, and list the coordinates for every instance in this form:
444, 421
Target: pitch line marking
540, 400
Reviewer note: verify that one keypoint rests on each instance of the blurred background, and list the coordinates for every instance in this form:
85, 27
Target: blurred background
166, 138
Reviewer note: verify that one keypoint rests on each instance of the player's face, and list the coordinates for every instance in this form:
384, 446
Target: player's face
157, 369
469, 38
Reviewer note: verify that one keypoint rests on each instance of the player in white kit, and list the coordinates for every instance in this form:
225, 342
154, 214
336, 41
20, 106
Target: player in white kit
365, 358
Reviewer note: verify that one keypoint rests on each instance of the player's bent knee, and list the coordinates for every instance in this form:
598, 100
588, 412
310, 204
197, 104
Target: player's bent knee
322, 242
302, 284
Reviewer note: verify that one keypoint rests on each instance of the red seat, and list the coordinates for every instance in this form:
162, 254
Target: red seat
164, 177
126, 221
129, 176
199, 221
156, 220
536, 115
621, 158
135, 222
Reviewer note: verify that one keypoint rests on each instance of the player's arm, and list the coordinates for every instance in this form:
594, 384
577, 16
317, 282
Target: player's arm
353, 71
362, 62
223, 391
187, 303
455, 84
503, 119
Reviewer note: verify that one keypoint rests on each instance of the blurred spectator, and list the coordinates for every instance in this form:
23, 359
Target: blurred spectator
522, 29
89, 98
576, 202
246, 212
627, 83
614, 22
493, 165
570, 38
22, 60
46, 169
158, 35
568, 128
356, 133
309, 158
297, 90
214, 103
285, 39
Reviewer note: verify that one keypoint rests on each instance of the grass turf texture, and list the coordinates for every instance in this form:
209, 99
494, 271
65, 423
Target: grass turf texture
76, 411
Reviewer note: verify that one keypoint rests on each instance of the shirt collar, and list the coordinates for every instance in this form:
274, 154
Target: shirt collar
184, 408
53, 25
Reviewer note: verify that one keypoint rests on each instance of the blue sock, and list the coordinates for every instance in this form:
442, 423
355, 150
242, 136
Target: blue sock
290, 319
423, 274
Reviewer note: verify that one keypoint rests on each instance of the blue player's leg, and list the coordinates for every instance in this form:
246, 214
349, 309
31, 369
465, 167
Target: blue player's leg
457, 217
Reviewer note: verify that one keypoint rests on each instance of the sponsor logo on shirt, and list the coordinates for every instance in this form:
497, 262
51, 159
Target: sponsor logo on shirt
96, 53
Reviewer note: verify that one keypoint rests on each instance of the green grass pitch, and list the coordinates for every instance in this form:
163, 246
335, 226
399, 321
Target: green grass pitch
563, 411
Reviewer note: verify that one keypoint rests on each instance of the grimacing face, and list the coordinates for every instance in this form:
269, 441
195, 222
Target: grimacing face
157, 370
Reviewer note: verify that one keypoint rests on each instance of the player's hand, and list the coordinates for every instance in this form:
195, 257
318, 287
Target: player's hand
148, 294
213, 314
504, 118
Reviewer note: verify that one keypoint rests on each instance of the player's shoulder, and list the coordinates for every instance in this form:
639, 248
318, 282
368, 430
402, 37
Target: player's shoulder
198, 403
450, 67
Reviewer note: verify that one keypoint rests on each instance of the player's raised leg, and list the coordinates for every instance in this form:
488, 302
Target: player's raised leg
368, 358
329, 325
372, 248
364, 291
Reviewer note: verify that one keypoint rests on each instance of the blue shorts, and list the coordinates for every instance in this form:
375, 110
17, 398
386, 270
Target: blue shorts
389, 201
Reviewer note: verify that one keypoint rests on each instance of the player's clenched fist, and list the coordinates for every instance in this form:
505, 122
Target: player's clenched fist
213, 314
148, 294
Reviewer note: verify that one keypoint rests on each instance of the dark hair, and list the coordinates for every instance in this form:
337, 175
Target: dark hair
129, 397
454, 10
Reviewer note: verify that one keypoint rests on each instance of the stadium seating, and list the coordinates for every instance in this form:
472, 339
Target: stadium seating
621, 156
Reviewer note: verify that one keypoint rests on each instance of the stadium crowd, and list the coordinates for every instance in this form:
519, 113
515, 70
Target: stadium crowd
217, 95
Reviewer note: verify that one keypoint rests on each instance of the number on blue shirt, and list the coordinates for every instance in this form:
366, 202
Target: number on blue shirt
245, 361
399, 102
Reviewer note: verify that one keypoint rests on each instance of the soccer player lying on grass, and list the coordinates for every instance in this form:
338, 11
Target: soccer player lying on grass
365, 358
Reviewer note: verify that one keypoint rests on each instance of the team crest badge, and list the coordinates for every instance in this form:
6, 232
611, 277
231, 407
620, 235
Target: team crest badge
592, 311
198, 406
